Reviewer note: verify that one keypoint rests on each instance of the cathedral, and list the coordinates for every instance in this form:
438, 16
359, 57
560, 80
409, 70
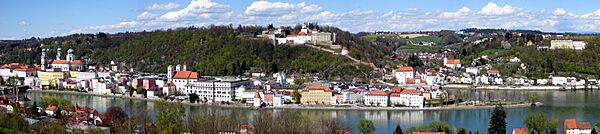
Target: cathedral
68, 64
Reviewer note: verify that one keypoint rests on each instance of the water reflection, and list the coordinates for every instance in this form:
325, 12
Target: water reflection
583, 106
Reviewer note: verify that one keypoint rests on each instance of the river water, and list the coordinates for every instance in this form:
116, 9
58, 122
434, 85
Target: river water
584, 106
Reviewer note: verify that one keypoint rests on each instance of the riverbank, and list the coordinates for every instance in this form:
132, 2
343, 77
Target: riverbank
523, 88
294, 106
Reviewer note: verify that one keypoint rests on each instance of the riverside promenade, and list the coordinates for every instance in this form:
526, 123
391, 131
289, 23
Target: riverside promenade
290, 106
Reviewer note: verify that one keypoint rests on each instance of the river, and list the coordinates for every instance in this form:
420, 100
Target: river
584, 106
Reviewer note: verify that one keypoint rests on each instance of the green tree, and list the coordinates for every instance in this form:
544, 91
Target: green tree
594, 131
365, 126
169, 117
532, 98
539, 123
462, 131
498, 121
398, 130
296, 95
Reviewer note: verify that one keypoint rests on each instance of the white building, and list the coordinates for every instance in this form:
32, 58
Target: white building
348, 97
412, 98
376, 98
567, 44
404, 73
472, 70
215, 90
305, 35
452, 63
574, 127
559, 80
70, 64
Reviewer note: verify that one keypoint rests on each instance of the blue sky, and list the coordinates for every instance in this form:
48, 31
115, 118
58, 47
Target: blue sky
41, 18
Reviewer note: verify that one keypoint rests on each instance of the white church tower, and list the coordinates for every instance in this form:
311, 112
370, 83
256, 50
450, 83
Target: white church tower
281, 78
43, 59
170, 73
58, 53
70, 55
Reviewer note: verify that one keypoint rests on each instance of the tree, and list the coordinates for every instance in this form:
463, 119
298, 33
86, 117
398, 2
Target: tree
296, 95
539, 123
365, 126
116, 118
398, 130
498, 121
462, 131
532, 98
594, 131
169, 117
414, 61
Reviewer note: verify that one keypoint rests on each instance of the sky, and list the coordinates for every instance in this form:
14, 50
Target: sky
21, 19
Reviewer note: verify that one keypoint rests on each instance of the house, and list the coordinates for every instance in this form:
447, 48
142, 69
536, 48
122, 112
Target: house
345, 51
567, 44
412, 98
348, 97
514, 60
530, 43
452, 63
169, 89
403, 73
520, 130
182, 78
559, 80
51, 110
574, 127
316, 94
216, 90
376, 98
472, 70
257, 100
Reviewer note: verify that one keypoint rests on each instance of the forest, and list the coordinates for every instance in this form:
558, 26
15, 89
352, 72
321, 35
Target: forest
212, 50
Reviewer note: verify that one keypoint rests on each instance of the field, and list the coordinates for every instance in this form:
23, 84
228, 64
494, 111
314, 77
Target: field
416, 40
415, 48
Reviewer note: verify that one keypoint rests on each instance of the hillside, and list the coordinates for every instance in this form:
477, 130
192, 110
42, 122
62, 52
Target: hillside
211, 51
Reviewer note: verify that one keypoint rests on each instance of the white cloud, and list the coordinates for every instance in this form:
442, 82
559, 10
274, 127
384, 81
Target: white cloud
461, 12
146, 15
167, 6
595, 14
199, 9
206, 12
265, 8
560, 11
24, 23
493, 9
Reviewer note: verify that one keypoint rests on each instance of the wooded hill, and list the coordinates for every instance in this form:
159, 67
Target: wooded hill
213, 50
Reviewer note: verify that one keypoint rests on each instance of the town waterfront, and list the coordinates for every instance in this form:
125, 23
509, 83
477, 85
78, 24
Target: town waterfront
584, 106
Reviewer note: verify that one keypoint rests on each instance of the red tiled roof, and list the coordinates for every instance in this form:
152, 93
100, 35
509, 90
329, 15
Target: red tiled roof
570, 124
410, 91
170, 84
405, 69
185, 75
66, 62
453, 61
317, 87
343, 132
396, 90
344, 48
256, 95
584, 125
395, 94
377, 93
51, 108
520, 131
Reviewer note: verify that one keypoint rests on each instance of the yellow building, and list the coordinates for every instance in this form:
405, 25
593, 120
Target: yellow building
316, 94
50, 78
